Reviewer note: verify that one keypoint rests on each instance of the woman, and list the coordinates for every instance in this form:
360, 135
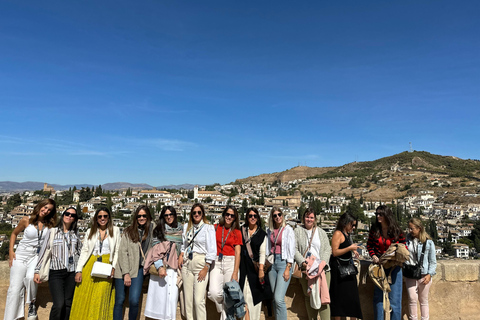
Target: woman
95, 297
134, 244
252, 264
65, 251
281, 247
417, 289
227, 263
198, 252
23, 261
384, 232
319, 248
345, 301
163, 292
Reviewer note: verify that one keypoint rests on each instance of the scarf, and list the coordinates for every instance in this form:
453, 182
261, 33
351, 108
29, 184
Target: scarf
190, 234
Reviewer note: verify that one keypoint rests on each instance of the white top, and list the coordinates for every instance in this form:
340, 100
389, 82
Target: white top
204, 243
105, 247
316, 245
412, 248
288, 243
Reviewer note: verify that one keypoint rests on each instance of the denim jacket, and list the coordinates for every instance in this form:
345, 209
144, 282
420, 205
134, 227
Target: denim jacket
430, 260
233, 300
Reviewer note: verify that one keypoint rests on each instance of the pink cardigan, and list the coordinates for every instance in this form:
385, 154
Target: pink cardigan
322, 281
159, 252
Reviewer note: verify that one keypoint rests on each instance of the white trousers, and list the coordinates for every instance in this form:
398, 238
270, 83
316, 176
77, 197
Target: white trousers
21, 278
220, 273
254, 310
194, 290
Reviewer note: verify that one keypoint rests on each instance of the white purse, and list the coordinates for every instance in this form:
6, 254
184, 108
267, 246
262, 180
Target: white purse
101, 270
47, 258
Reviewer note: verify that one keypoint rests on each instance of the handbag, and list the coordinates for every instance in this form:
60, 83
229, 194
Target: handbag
347, 270
47, 258
297, 270
101, 270
415, 271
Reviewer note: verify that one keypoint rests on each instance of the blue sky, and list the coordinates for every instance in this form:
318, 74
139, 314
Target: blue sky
171, 92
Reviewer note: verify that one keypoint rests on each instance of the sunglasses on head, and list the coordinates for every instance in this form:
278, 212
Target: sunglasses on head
277, 215
226, 215
141, 216
168, 215
104, 216
69, 214
197, 212
252, 216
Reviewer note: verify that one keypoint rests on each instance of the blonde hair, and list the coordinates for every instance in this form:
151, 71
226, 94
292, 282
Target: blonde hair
423, 236
271, 224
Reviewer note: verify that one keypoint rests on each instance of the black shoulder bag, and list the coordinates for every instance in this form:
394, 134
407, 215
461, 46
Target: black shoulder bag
415, 271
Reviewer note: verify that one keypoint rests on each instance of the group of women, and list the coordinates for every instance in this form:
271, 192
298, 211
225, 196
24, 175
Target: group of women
187, 261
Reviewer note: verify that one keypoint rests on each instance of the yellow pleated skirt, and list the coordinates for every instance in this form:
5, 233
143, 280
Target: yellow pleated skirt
94, 298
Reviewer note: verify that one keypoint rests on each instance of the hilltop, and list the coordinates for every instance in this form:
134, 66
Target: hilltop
386, 178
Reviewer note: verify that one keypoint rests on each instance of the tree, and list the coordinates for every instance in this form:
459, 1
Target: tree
301, 210
208, 200
85, 194
99, 191
356, 209
12, 202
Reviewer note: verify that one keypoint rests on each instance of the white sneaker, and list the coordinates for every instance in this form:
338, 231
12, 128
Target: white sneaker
32, 312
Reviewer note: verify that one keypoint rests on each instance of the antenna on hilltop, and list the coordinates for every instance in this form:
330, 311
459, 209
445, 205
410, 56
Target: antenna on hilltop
411, 149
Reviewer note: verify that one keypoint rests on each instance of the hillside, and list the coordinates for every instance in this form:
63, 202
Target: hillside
300, 172
388, 178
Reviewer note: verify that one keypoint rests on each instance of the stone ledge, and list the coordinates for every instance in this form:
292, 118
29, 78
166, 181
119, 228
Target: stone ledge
454, 294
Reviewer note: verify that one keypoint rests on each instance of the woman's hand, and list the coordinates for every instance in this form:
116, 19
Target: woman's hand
78, 277
261, 274
353, 247
356, 254
127, 280
375, 259
36, 278
162, 272
112, 273
427, 279
234, 276
11, 257
180, 261
203, 274
286, 273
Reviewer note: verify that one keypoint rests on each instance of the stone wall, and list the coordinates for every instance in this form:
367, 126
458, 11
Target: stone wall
454, 294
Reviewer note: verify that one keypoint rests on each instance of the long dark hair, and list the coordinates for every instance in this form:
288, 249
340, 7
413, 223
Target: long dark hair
254, 210
159, 231
393, 230
344, 220
94, 228
50, 219
73, 226
132, 230
236, 223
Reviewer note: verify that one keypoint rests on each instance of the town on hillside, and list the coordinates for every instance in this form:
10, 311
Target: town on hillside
455, 228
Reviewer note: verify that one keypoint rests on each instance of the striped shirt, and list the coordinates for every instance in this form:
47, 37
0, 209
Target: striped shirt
65, 245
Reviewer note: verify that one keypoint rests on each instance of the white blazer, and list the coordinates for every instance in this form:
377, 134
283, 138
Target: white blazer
89, 245
288, 243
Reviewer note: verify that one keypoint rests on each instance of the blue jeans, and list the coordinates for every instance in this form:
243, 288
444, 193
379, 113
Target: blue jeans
133, 297
279, 286
395, 296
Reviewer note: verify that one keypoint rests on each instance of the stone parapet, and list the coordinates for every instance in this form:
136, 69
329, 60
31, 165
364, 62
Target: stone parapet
454, 294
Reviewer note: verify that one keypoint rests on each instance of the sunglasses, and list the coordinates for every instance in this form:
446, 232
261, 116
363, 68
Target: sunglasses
197, 212
277, 215
252, 216
69, 214
229, 215
105, 216
142, 216
168, 215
